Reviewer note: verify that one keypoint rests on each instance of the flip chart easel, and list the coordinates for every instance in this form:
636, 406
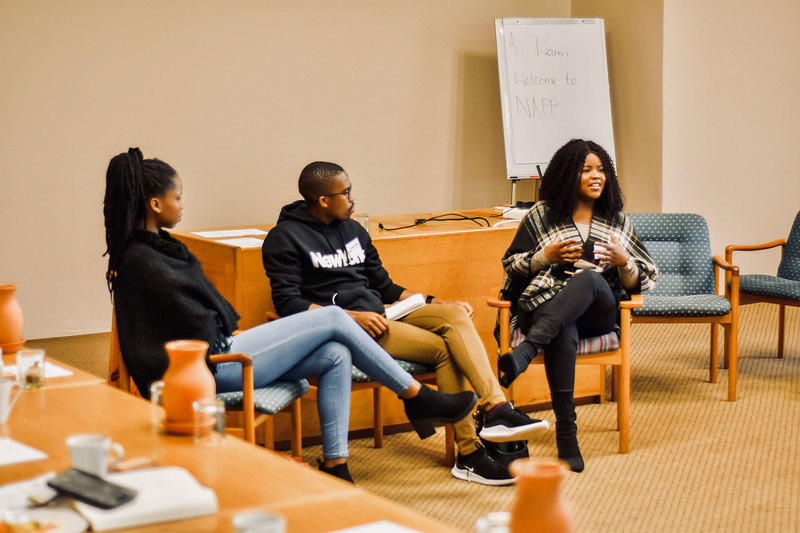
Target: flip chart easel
553, 88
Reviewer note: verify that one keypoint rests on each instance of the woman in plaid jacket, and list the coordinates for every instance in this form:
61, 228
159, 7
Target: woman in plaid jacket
574, 257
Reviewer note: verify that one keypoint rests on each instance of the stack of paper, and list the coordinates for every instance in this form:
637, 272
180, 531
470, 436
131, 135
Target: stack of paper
404, 307
167, 493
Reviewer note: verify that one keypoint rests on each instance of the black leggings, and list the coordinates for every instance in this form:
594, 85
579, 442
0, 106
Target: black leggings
584, 307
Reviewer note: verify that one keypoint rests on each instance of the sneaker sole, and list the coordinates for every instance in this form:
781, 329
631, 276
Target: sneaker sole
508, 434
472, 477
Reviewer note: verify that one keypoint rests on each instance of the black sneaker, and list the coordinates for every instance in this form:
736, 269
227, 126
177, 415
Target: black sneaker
509, 423
478, 467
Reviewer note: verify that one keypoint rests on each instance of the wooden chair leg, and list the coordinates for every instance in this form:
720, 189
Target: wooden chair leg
259, 431
249, 407
297, 429
713, 366
614, 383
781, 330
601, 385
449, 445
623, 409
269, 433
377, 417
731, 354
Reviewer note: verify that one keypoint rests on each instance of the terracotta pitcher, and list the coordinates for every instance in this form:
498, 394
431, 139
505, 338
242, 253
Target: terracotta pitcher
10, 319
187, 379
539, 506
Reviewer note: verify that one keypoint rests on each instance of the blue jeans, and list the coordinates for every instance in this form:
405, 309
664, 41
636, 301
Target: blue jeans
323, 342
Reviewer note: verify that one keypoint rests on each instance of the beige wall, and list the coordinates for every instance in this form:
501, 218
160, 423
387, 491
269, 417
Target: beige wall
633, 45
237, 96
731, 116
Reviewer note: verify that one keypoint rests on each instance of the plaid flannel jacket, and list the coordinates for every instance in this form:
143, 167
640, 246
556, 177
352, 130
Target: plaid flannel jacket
534, 233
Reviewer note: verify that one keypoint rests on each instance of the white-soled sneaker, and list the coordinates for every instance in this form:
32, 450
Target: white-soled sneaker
509, 423
479, 467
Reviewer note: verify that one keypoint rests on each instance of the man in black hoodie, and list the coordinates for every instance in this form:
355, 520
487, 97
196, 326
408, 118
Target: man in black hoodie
317, 255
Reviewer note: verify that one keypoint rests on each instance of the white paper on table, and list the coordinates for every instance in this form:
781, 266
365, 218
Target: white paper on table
12, 452
219, 234
164, 493
245, 242
15, 495
51, 370
384, 526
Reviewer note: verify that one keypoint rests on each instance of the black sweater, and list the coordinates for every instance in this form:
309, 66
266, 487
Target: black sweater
160, 295
308, 262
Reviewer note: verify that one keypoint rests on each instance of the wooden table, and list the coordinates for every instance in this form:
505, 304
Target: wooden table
78, 377
244, 477
454, 260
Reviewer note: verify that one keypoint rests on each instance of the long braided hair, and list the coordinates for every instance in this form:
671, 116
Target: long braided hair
562, 181
131, 181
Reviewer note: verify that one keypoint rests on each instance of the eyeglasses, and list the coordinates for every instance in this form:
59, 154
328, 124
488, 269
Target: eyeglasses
345, 193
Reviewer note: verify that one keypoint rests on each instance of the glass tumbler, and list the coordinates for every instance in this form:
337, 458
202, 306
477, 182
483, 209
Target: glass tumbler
30, 368
209, 422
363, 219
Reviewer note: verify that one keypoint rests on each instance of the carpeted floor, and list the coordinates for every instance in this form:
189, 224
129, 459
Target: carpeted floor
697, 462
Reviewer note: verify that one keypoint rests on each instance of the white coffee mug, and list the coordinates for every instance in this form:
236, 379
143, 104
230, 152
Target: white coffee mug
6, 402
90, 453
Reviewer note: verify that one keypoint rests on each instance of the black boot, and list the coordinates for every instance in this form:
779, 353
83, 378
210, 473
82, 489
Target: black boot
566, 430
515, 362
431, 406
341, 471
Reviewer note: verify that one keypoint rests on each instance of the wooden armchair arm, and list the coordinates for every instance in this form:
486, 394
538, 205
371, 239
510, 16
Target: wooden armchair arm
242, 358
719, 262
731, 279
751, 248
636, 301
504, 308
247, 385
494, 300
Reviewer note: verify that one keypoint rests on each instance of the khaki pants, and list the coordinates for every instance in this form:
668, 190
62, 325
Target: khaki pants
443, 335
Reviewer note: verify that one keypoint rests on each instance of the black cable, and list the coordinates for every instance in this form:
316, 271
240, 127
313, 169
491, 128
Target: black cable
439, 218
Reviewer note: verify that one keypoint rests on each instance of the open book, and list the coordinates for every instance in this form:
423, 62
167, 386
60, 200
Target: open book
166, 493
403, 307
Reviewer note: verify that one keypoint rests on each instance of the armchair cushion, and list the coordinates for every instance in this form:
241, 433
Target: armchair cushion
769, 286
270, 399
604, 343
696, 305
409, 366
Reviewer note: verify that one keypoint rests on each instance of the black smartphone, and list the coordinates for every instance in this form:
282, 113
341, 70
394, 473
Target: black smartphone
91, 489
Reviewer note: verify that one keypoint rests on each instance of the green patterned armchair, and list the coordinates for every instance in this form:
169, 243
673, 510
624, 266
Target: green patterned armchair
783, 289
687, 290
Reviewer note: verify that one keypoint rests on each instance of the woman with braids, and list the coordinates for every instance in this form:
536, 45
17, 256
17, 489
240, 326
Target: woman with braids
574, 257
160, 294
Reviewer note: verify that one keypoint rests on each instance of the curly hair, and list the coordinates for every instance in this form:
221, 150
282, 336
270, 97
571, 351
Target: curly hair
131, 181
562, 181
